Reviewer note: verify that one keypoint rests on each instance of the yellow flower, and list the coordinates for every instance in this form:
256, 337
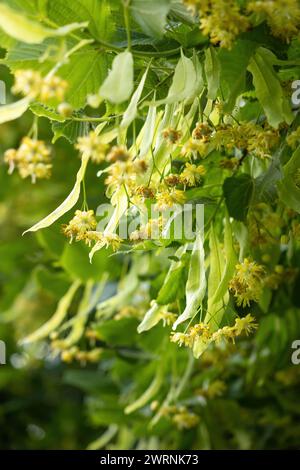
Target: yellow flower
247, 284
121, 173
128, 312
195, 147
245, 325
107, 240
192, 174
225, 333
172, 180
183, 339
293, 139
80, 225
145, 191
11, 158
31, 83
92, 146
28, 83
65, 109
35, 171
213, 390
118, 153
283, 16
196, 331
202, 131
167, 199
168, 318
53, 87
185, 419
32, 159
221, 20
172, 135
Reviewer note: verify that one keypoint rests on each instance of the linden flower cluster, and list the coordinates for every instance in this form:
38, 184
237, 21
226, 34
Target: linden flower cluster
75, 354
152, 229
247, 136
220, 19
92, 146
212, 390
172, 136
192, 174
124, 170
181, 416
30, 83
105, 240
198, 144
188, 339
223, 20
129, 311
202, 331
82, 223
166, 199
31, 159
82, 228
283, 16
247, 284
293, 139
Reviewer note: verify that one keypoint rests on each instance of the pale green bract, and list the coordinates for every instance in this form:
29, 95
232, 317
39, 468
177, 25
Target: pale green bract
118, 86
13, 111
57, 318
196, 283
67, 204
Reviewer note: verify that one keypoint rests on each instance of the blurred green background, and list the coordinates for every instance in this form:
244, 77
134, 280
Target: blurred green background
36, 407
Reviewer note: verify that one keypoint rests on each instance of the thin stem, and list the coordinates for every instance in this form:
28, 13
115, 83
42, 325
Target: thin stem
89, 119
113, 47
127, 23
85, 205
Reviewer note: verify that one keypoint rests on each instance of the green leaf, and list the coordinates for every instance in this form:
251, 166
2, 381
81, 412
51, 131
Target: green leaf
112, 332
84, 72
289, 187
98, 14
42, 110
75, 261
212, 72
70, 129
233, 70
268, 89
16, 24
118, 86
151, 15
238, 192
265, 185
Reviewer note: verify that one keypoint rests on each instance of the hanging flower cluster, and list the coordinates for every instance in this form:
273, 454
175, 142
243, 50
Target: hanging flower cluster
31, 159
32, 84
246, 285
203, 331
224, 20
